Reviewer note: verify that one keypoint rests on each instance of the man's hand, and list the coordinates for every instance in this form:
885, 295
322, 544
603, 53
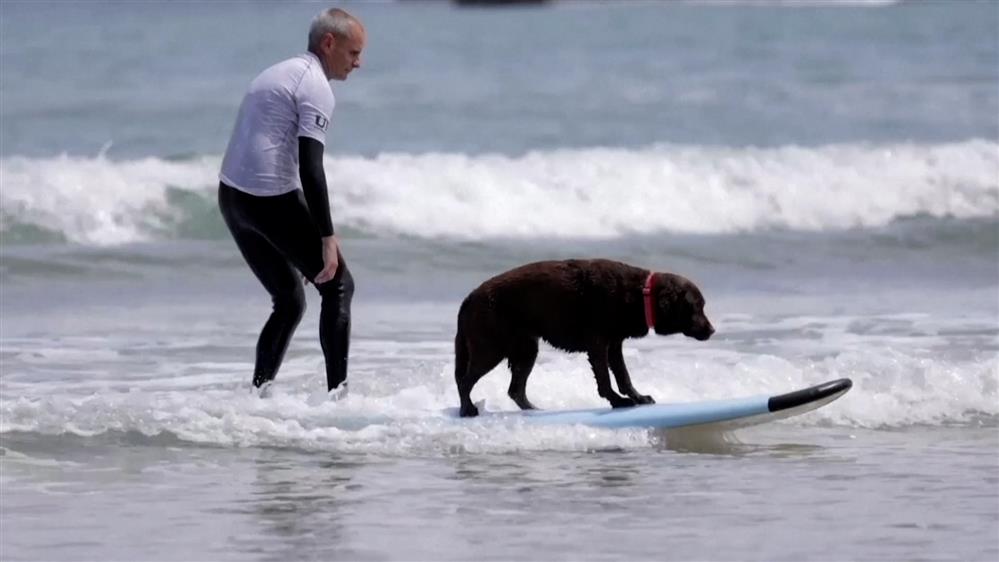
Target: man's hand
331, 259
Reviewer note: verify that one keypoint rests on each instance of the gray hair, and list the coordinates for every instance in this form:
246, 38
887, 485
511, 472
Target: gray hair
335, 21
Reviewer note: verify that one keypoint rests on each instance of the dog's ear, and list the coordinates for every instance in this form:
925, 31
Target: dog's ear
694, 297
667, 289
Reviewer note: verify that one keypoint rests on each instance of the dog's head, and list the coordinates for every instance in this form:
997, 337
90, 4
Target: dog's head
680, 308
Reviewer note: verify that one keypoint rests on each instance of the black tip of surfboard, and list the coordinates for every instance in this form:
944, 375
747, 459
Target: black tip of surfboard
806, 395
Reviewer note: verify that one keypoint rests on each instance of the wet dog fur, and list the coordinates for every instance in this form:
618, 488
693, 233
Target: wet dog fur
588, 306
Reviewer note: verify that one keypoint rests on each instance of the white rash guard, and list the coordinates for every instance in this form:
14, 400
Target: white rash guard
291, 99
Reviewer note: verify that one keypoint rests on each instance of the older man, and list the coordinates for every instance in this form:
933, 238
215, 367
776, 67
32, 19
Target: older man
273, 197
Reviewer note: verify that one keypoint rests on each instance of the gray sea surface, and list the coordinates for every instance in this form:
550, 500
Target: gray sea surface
826, 172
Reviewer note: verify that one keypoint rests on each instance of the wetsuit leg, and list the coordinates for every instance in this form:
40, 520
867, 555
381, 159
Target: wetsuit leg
284, 224
275, 273
334, 324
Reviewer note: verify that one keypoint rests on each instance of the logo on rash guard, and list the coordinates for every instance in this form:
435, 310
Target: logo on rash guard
322, 122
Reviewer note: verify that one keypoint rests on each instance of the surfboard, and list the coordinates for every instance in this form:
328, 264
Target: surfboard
730, 413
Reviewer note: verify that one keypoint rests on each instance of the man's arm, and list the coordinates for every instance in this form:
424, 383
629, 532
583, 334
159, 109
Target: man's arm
310, 170
313, 176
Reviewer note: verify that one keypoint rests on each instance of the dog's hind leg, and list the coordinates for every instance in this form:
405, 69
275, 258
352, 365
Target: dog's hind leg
521, 360
598, 361
479, 363
616, 359
461, 375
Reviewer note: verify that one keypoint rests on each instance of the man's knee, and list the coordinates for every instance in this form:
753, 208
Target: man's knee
340, 288
347, 281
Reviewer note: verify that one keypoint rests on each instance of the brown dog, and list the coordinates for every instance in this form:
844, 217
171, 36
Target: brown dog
575, 305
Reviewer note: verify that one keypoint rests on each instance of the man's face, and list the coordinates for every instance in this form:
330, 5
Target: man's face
342, 55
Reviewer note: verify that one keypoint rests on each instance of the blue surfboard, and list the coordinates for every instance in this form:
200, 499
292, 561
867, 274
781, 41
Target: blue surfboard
731, 413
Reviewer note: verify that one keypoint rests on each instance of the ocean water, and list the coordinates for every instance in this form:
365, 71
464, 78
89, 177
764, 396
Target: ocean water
827, 172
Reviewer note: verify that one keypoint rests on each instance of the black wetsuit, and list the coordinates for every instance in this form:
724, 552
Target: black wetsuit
278, 235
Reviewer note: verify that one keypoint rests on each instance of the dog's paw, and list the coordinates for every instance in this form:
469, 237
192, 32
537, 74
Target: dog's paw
622, 402
645, 400
468, 412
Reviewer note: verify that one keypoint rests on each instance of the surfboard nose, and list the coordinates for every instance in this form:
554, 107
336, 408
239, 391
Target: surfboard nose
810, 394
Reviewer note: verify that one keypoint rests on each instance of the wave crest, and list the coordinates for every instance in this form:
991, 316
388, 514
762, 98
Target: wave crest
586, 193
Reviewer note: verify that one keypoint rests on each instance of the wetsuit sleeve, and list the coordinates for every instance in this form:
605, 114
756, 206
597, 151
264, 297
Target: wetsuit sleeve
310, 170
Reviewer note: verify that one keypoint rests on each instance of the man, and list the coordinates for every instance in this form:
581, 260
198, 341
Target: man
272, 194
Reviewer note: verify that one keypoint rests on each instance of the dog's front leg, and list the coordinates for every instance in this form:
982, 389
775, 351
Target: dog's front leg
624, 386
598, 361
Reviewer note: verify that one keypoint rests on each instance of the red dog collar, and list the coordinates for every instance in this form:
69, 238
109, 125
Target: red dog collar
650, 311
